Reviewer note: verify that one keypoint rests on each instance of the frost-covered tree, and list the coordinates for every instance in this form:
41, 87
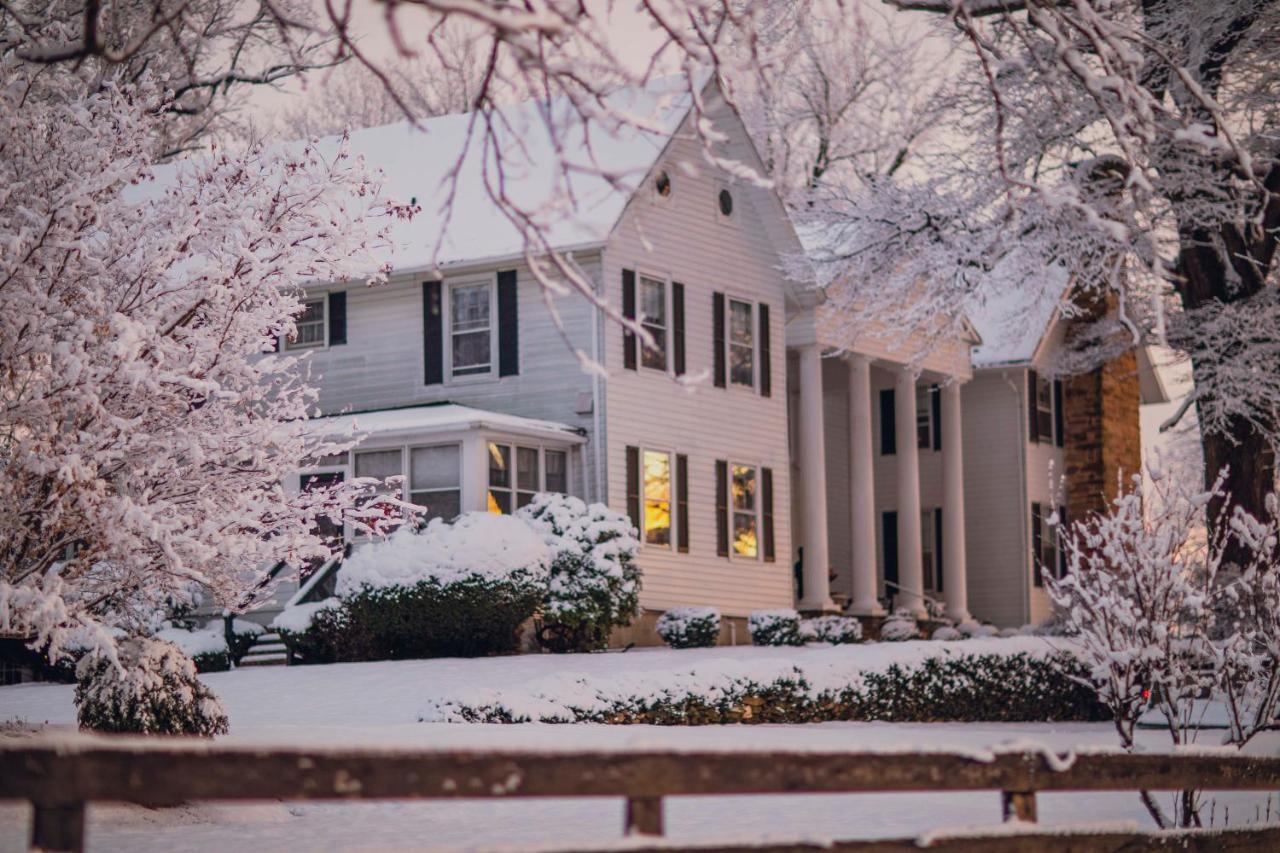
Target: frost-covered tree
145, 424
1164, 620
1134, 144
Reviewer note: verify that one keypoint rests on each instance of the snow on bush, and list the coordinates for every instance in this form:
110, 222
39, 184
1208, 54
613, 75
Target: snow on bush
451, 589
898, 627
594, 582
946, 634
298, 618
151, 688
689, 627
207, 646
1024, 679
977, 629
774, 627
835, 630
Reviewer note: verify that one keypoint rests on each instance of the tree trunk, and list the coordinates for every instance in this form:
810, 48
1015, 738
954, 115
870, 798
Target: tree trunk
1250, 461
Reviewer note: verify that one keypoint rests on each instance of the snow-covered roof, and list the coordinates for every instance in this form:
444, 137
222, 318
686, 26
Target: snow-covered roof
1012, 314
575, 211
434, 418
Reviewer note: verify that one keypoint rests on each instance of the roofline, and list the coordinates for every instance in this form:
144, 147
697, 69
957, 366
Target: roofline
570, 435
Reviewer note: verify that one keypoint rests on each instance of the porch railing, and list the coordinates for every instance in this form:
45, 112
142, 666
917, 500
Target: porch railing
59, 775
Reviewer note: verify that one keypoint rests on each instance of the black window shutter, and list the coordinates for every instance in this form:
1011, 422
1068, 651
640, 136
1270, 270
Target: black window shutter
633, 487
1059, 434
890, 537
1062, 551
682, 503
717, 339
722, 508
935, 403
508, 324
766, 376
677, 326
1034, 422
766, 506
629, 311
337, 317
937, 547
888, 423
1037, 543
432, 333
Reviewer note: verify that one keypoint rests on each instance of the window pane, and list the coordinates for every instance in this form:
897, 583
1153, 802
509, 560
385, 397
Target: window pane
657, 493
740, 325
499, 502
379, 464
924, 406
444, 504
309, 333
470, 307
527, 469
524, 498
471, 352
499, 465
557, 471
744, 488
657, 522
744, 534
927, 540
653, 302
740, 367
435, 467
656, 355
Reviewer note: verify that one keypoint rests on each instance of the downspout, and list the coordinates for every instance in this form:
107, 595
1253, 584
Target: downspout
1025, 498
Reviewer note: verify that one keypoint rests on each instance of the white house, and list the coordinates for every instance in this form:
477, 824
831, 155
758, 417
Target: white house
761, 470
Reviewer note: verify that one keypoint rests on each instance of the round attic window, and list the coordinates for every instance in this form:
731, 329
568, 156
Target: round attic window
663, 184
726, 203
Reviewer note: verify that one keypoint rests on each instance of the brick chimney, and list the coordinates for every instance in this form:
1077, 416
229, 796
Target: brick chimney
1103, 436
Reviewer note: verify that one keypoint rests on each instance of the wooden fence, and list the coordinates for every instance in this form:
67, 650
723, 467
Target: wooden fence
59, 775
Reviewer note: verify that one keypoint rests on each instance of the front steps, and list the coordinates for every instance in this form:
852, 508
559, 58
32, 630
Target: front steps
267, 650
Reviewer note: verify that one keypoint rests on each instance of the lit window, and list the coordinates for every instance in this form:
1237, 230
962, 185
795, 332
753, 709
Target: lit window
435, 478
512, 486
657, 498
471, 329
924, 418
310, 325
745, 539
741, 343
499, 478
653, 316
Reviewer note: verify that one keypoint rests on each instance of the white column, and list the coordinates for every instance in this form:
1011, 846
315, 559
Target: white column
862, 503
910, 566
954, 572
813, 483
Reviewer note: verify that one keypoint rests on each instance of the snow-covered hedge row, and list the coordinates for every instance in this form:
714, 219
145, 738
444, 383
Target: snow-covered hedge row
450, 590
594, 584
774, 627
836, 630
689, 627
1014, 680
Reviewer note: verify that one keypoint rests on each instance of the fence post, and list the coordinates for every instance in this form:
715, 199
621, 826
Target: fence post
57, 827
644, 816
1018, 805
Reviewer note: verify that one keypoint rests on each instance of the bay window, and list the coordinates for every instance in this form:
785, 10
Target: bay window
518, 473
435, 478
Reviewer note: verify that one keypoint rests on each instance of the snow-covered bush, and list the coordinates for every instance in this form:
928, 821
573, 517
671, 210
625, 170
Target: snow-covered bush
947, 634
974, 629
452, 589
594, 584
689, 627
208, 648
899, 626
835, 630
774, 628
151, 688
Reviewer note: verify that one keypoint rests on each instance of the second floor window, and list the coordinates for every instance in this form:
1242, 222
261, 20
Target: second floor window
471, 328
653, 316
310, 325
742, 343
1044, 406
924, 418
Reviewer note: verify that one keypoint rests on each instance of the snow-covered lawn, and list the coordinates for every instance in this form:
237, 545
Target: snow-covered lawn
379, 704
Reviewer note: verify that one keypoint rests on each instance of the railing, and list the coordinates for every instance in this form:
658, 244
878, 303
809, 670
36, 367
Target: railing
59, 775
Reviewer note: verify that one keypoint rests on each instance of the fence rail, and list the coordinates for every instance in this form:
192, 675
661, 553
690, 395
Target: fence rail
60, 775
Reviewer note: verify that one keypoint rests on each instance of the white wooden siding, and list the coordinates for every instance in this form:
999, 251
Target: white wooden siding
682, 238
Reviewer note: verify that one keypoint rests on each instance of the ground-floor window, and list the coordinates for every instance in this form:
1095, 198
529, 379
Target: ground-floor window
517, 473
746, 540
657, 498
435, 480
928, 549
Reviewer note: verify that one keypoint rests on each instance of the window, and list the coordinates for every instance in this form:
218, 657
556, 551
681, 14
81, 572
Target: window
724, 200
435, 478
741, 343
381, 465
310, 325
1044, 406
657, 498
928, 544
663, 184
535, 470
470, 313
653, 316
746, 542
924, 418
